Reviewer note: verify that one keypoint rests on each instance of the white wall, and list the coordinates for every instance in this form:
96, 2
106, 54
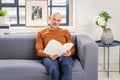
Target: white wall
86, 10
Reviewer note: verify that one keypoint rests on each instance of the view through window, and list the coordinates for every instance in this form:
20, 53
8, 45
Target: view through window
16, 10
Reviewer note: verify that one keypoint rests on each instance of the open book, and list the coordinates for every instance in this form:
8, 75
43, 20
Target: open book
55, 47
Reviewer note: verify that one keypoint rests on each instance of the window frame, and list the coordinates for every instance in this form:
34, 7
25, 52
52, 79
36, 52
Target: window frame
17, 6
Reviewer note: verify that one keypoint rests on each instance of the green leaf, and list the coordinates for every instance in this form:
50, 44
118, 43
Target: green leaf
105, 15
103, 27
3, 12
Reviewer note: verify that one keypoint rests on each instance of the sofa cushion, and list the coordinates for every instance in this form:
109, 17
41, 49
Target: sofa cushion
77, 72
18, 46
30, 70
22, 70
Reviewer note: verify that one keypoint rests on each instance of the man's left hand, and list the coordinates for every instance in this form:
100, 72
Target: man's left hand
67, 53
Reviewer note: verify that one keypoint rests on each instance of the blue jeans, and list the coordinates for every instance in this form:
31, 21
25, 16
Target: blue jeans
59, 69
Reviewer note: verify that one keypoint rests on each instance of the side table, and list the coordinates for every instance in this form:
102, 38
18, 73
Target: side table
113, 44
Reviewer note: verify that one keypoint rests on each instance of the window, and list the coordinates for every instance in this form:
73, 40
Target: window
60, 6
16, 10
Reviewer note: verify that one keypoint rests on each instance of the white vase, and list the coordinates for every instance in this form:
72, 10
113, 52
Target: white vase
107, 36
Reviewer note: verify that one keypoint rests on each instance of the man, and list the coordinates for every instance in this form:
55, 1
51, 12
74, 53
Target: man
58, 67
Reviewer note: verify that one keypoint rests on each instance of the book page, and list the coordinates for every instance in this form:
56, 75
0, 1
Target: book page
67, 47
55, 47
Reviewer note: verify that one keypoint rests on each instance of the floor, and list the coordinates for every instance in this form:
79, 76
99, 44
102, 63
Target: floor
114, 74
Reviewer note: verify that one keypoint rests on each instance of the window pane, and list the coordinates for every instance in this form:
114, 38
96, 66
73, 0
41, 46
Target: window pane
22, 15
58, 2
11, 15
61, 10
8, 1
21, 2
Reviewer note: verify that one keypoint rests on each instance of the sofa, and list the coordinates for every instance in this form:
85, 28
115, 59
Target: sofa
19, 61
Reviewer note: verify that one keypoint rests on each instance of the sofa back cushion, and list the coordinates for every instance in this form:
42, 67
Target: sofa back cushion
19, 46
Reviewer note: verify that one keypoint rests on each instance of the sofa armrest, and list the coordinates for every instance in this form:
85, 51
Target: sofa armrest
87, 52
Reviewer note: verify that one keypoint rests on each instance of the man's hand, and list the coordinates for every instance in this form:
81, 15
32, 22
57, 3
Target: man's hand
67, 53
53, 57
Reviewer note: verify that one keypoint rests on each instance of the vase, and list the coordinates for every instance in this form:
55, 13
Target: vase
107, 36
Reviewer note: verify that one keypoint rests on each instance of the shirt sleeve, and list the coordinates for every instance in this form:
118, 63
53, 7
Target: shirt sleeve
69, 39
39, 45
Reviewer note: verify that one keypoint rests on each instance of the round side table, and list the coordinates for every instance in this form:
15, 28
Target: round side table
113, 44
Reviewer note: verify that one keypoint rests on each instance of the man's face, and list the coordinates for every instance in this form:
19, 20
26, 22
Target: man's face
55, 20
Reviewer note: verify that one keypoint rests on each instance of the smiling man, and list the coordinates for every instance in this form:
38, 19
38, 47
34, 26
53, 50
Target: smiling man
58, 67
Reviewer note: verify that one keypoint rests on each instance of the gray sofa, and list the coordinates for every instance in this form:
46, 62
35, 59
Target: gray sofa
18, 59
